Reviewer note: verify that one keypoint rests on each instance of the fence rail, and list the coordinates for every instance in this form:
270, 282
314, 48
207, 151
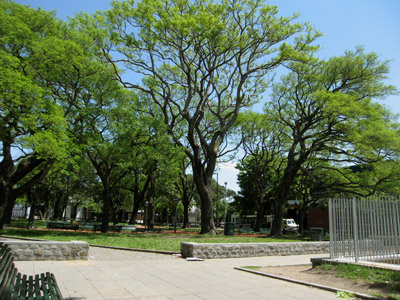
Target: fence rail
365, 229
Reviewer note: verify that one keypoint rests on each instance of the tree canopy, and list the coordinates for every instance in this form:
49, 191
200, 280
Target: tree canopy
33, 127
201, 62
328, 114
125, 101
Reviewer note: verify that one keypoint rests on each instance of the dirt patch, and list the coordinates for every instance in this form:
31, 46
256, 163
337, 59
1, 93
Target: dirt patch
323, 277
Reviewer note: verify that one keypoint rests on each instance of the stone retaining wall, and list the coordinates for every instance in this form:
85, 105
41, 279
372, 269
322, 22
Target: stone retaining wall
48, 250
252, 249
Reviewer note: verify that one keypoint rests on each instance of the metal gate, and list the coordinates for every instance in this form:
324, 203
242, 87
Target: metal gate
365, 229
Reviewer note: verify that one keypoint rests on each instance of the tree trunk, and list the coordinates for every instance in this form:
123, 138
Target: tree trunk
135, 210
281, 199
185, 201
32, 201
65, 206
138, 197
302, 215
185, 213
14, 177
57, 213
203, 184
115, 215
283, 190
31, 218
150, 202
138, 200
7, 216
279, 209
259, 218
4, 195
150, 214
106, 209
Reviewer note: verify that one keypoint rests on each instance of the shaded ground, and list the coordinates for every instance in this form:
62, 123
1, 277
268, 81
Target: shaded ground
325, 277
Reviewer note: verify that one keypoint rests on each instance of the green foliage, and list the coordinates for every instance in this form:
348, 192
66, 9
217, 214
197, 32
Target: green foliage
325, 110
66, 103
200, 62
30, 118
256, 184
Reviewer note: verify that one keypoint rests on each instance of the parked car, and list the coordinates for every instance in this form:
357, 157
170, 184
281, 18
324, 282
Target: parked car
289, 225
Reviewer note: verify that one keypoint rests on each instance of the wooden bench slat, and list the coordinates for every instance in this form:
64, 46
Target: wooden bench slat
3, 249
52, 284
6, 272
38, 293
17, 286
24, 282
30, 288
7, 263
11, 283
45, 288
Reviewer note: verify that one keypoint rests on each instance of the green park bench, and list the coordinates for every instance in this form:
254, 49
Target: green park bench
245, 230
265, 230
251, 230
62, 225
141, 229
87, 226
14, 285
114, 228
97, 227
131, 228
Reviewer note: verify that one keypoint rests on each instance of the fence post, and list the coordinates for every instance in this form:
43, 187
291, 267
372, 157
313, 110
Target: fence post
331, 229
355, 229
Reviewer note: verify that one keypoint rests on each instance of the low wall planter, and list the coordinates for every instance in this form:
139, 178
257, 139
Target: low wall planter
236, 250
48, 250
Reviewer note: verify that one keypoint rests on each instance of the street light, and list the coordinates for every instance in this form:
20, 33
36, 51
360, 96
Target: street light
216, 202
226, 204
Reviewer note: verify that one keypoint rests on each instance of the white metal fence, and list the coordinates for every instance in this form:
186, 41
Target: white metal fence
365, 229
20, 211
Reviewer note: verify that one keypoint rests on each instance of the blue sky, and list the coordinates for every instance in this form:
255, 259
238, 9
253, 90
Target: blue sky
345, 24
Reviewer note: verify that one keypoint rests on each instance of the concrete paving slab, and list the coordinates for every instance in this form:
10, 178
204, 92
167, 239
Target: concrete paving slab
115, 274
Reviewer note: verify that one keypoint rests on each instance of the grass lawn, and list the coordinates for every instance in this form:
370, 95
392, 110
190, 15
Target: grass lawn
149, 241
387, 279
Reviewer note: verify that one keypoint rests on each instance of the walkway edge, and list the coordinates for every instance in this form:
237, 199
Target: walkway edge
315, 285
135, 249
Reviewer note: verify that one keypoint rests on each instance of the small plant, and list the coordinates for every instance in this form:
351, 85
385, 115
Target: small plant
393, 297
251, 267
389, 280
344, 295
328, 267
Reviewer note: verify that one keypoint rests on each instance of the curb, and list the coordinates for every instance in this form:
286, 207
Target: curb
136, 250
22, 238
315, 285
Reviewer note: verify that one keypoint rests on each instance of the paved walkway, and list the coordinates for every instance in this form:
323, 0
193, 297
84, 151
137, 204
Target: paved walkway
117, 274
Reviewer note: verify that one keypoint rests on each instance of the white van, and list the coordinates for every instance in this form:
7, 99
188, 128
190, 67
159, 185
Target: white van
289, 225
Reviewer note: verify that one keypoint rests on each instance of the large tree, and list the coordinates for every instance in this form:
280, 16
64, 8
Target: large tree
32, 125
201, 62
328, 113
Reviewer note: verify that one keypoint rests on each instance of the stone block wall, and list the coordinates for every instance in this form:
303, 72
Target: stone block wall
251, 249
48, 250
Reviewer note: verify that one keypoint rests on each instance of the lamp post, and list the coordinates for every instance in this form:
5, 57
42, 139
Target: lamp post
216, 202
226, 204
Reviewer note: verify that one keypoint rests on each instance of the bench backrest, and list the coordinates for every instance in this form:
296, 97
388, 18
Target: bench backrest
8, 271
